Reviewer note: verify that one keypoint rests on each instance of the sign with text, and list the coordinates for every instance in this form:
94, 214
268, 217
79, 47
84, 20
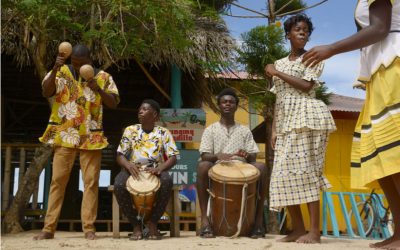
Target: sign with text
185, 125
184, 172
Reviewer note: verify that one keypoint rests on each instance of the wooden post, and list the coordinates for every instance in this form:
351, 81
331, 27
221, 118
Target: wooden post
7, 176
22, 159
115, 213
174, 215
198, 215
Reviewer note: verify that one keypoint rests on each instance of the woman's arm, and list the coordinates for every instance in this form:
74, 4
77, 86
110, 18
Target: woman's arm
273, 132
380, 16
297, 83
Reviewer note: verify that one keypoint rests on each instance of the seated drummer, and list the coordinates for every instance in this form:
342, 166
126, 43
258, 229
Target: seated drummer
227, 140
146, 144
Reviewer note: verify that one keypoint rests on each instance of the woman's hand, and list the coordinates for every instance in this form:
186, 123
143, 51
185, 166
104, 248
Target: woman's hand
273, 140
317, 54
270, 70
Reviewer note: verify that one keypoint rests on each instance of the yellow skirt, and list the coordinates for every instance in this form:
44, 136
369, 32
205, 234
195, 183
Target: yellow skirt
376, 141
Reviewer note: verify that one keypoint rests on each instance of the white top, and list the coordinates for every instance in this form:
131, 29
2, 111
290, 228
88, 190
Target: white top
219, 139
383, 52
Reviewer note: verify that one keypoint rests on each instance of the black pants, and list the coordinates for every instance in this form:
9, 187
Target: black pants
125, 201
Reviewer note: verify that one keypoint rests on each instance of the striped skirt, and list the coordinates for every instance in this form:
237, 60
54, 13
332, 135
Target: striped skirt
376, 141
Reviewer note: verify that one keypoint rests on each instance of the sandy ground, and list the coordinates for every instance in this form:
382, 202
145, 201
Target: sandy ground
187, 241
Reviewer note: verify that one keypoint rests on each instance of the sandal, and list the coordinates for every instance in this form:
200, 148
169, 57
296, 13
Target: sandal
206, 232
257, 233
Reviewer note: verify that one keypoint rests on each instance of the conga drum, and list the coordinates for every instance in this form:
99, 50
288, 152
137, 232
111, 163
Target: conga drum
233, 191
143, 192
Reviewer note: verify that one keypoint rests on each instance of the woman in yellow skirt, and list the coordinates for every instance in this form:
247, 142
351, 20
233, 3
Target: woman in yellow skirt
375, 159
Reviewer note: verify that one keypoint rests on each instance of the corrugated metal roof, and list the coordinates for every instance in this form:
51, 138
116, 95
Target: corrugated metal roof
345, 103
235, 75
338, 102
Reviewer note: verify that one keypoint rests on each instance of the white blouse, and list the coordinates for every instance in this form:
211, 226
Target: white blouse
384, 52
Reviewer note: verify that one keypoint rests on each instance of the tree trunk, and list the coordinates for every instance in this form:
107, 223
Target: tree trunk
12, 221
271, 12
273, 222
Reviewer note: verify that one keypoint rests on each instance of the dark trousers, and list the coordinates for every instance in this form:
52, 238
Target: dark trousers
125, 201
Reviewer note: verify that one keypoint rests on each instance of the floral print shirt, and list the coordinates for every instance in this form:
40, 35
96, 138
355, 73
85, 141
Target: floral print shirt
77, 112
147, 148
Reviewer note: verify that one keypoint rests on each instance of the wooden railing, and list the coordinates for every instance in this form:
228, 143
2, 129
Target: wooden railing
10, 149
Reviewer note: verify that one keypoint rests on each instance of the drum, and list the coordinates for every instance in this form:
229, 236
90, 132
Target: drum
233, 190
143, 192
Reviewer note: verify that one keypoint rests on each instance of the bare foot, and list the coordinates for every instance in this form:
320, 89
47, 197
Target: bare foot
137, 233
90, 236
153, 232
395, 245
292, 237
310, 238
382, 243
44, 236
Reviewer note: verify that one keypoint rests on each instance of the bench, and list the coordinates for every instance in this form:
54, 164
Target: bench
172, 210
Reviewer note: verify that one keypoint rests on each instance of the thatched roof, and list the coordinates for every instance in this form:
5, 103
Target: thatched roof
208, 51
211, 42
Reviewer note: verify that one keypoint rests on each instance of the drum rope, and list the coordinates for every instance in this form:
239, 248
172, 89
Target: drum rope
224, 211
242, 209
209, 202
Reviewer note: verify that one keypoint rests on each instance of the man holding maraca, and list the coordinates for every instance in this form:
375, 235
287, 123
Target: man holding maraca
75, 126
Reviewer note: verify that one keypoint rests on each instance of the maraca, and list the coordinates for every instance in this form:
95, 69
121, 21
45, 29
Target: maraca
65, 48
87, 72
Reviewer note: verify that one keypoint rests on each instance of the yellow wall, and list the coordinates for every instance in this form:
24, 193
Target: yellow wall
241, 116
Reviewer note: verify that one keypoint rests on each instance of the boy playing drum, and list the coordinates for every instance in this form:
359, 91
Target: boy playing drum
228, 140
145, 144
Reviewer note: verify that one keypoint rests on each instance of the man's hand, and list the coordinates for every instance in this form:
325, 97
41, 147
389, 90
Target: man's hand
242, 153
156, 171
133, 170
60, 60
224, 157
92, 84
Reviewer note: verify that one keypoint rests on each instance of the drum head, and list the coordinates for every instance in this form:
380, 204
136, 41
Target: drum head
234, 172
147, 183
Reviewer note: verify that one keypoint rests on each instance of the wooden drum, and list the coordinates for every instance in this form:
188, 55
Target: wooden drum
233, 190
143, 192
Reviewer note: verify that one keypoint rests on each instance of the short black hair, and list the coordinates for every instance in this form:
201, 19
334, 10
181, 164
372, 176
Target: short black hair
228, 91
81, 50
293, 20
154, 104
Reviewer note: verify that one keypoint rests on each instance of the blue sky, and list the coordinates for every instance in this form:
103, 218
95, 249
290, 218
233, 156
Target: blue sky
333, 20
